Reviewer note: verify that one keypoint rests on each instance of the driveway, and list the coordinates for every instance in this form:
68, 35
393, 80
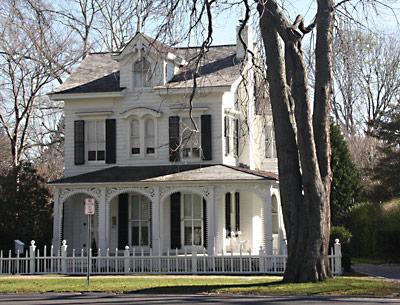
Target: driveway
388, 271
124, 299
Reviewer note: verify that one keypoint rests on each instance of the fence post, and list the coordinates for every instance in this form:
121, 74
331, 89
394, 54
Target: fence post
194, 261
126, 259
262, 259
64, 257
32, 252
338, 257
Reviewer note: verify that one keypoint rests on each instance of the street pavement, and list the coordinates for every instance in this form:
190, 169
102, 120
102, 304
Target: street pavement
388, 271
122, 299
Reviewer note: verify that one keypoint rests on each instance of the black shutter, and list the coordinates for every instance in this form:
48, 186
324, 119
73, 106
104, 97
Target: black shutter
173, 138
228, 214
111, 141
237, 137
176, 221
206, 139
123, 211
226, 135
79, 142
237, 211
205, 228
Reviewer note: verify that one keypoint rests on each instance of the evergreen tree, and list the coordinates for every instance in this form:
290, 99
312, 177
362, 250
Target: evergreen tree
25, 208
346, 184
386, 173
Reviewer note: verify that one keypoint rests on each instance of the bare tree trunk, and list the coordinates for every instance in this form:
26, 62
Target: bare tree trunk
303, 152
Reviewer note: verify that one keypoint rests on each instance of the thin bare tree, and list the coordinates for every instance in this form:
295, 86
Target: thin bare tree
32, 56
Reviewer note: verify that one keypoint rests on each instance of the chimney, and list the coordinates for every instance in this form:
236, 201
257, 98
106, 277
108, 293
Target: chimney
247, 37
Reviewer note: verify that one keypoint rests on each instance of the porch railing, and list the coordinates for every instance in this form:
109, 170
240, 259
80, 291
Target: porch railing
104, 262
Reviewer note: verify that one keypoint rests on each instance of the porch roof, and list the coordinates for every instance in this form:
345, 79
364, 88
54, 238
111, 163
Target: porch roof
168, 173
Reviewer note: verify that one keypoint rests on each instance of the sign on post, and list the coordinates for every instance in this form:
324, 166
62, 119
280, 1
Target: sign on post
89, 211
89, 206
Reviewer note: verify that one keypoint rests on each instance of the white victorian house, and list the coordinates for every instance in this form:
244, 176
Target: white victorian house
163, 179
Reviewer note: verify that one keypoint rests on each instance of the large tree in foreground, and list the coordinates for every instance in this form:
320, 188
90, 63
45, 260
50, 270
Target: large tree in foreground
302, 135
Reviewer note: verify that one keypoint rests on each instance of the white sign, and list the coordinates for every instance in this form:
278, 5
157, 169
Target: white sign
89, 206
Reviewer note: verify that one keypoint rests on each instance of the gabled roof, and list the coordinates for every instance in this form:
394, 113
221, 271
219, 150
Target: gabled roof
169, 173
99, 72
219, 67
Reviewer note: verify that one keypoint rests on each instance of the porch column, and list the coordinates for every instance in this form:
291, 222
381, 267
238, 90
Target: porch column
211, 215
57, 220
155, 223
267, 211
103, 241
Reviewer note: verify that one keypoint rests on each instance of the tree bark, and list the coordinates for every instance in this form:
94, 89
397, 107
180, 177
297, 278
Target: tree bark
304, 178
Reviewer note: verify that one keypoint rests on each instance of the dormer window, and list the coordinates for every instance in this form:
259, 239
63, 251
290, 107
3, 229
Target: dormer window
141, 73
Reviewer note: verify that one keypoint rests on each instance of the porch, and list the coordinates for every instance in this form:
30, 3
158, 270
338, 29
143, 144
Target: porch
175, 215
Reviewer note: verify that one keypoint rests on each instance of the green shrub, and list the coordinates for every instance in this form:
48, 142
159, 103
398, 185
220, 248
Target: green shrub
340, 232
376, 230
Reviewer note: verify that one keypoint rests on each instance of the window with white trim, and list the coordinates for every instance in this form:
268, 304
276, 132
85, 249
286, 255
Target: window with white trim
141, 73
150, 137
231, 135
95, 140
190, 138
139, 222
270, 144
192, 220
135, 137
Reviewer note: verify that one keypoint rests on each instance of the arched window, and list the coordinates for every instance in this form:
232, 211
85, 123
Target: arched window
275, 219
135, 137
150, 136
141, 73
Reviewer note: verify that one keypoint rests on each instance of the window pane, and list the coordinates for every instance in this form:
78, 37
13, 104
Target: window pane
135, 235
275, 224
145, 236
101, 155
197, 207
188, 234
144, 209
197, 234
135, 207
135, 128
187, 206
91, 131
150, 150
91, 155
100, 131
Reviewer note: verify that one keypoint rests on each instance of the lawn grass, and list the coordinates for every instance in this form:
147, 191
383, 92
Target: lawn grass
264, 285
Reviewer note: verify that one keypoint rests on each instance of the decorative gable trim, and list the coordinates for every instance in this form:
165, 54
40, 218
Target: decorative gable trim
140, 112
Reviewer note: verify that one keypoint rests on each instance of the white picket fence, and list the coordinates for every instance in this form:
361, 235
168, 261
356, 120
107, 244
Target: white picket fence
130, 262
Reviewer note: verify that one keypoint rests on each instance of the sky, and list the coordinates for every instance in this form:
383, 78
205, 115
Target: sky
382, 19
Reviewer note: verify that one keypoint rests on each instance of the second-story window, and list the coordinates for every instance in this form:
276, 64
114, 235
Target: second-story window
190, 138
150, 137
270, 146
135, 137
231, 135
96, 140
141, 73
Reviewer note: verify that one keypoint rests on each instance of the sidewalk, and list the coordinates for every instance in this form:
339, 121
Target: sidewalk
388, 271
